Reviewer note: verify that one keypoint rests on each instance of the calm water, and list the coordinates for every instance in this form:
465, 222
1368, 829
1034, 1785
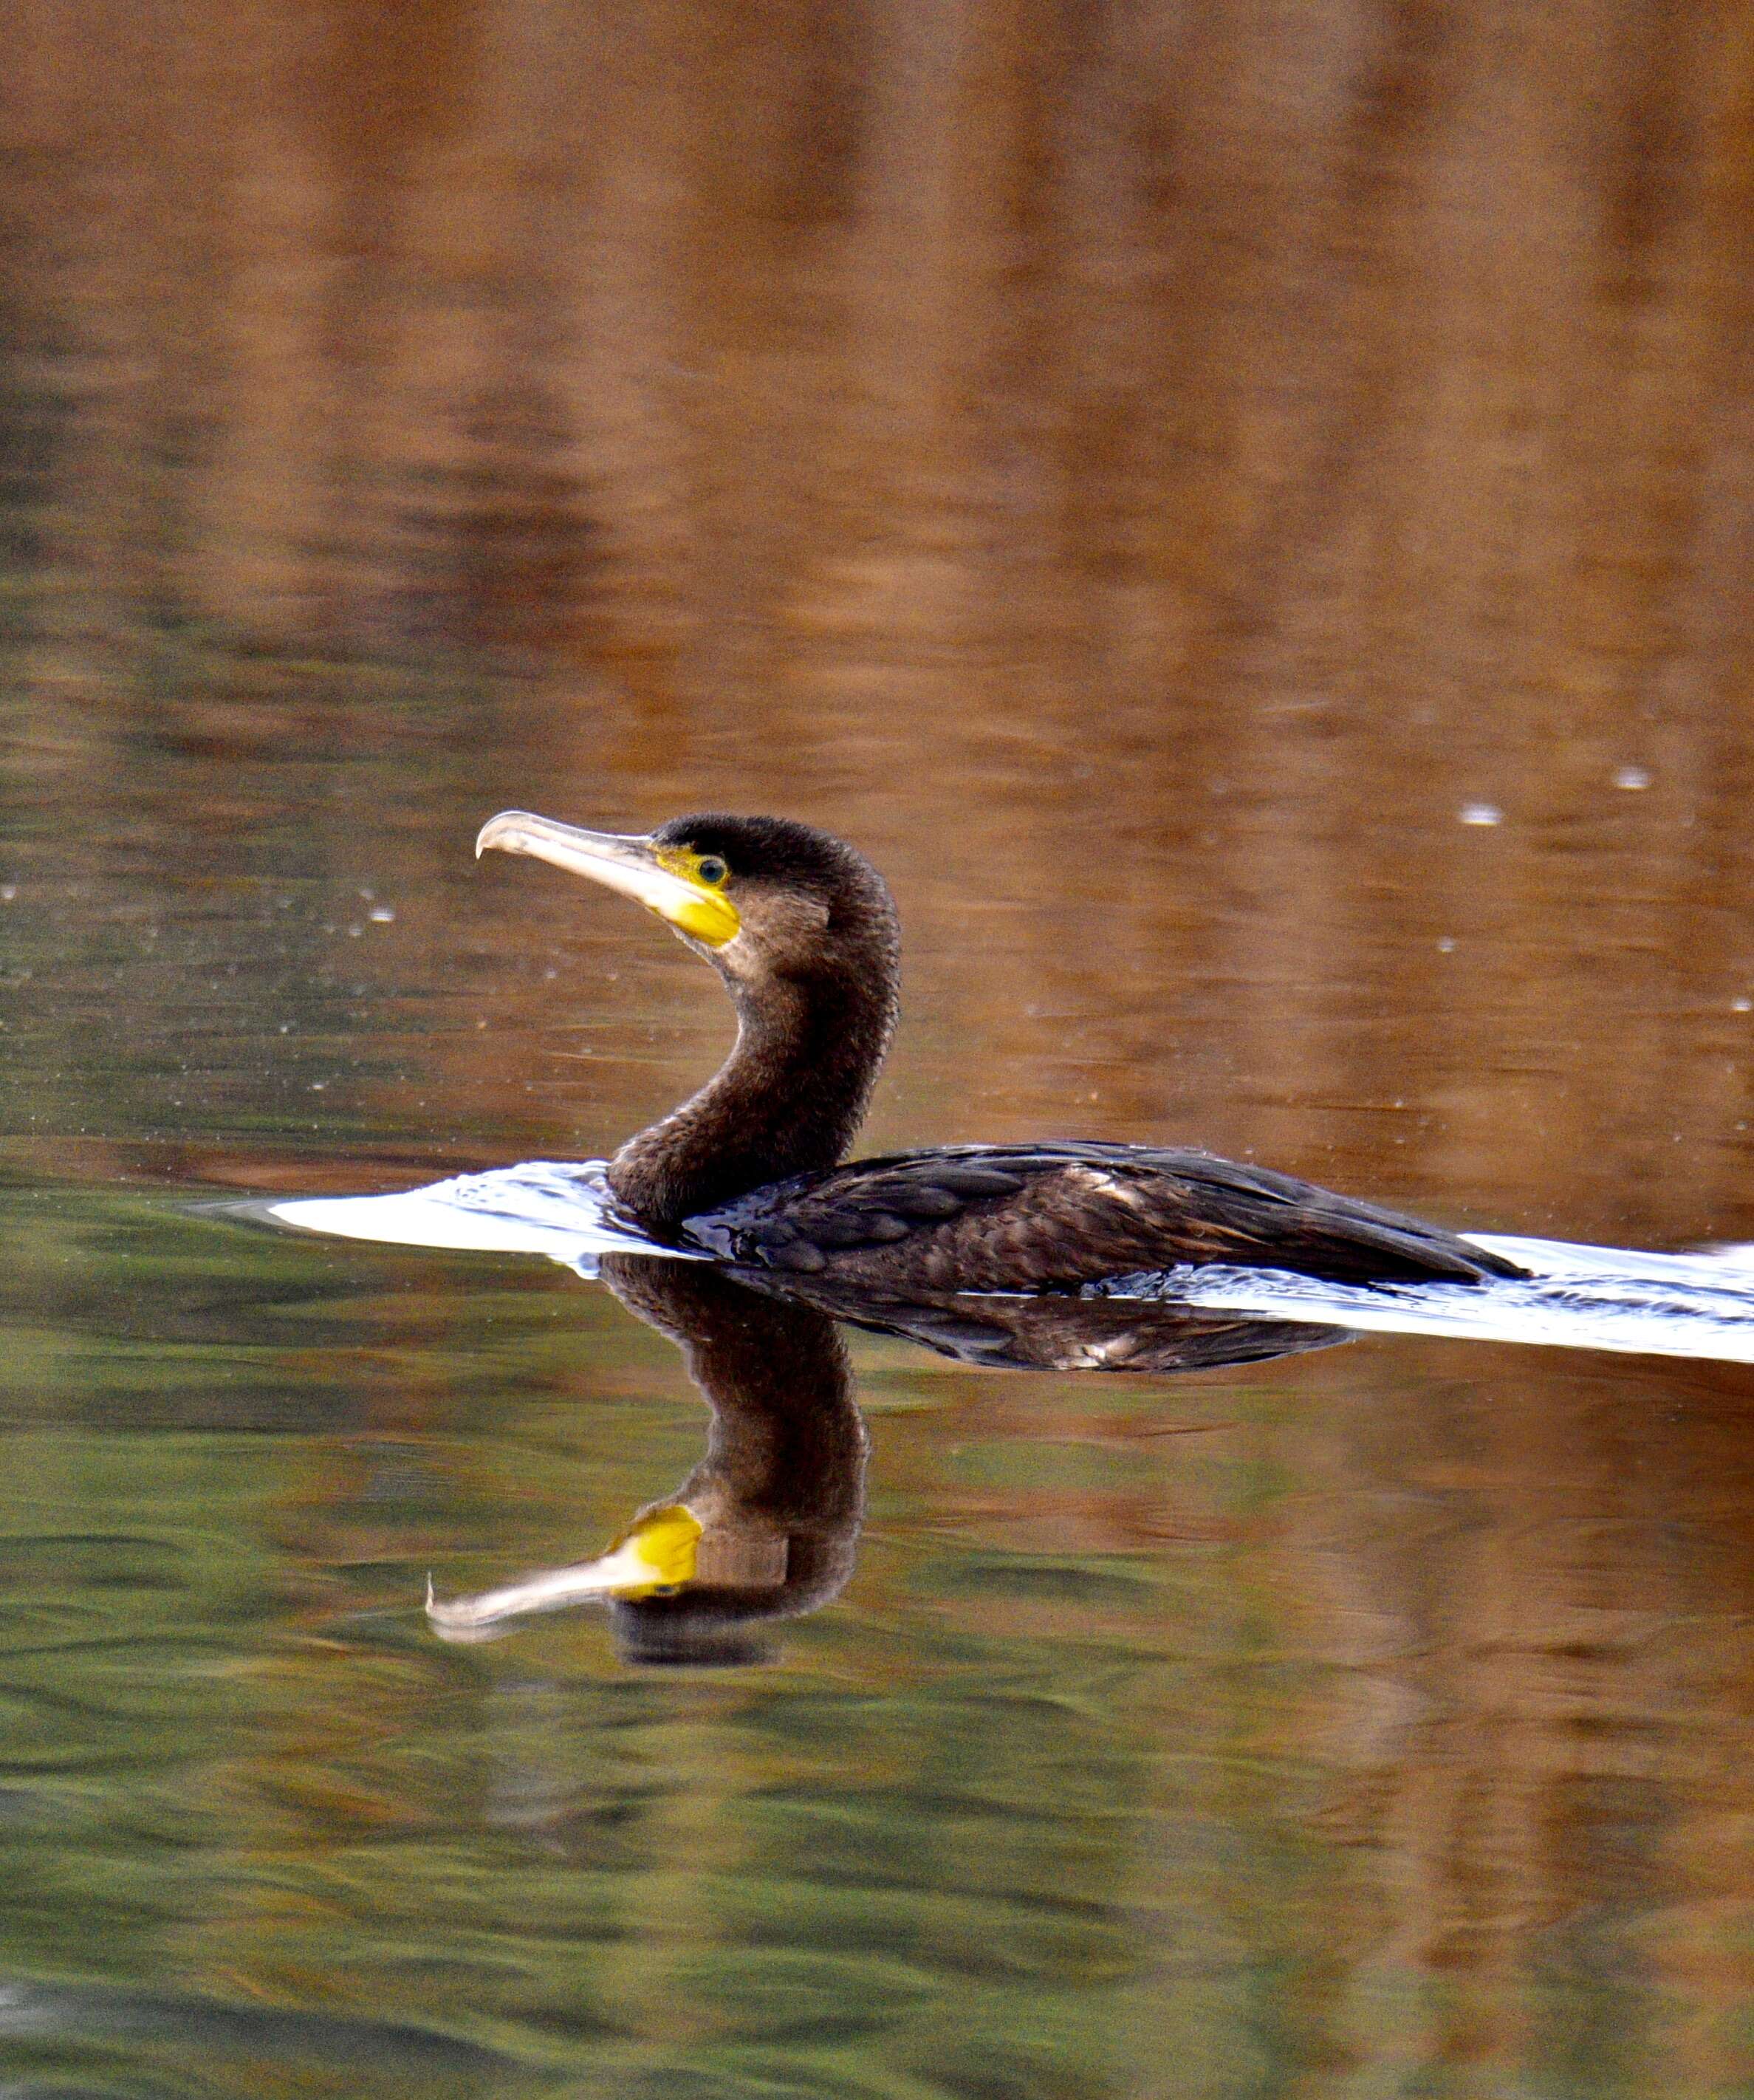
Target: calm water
1244, 517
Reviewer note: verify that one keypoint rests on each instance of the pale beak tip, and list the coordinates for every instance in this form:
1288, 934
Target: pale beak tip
493, 831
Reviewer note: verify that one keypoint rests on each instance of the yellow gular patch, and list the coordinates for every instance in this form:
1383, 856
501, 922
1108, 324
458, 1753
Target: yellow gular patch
708, 913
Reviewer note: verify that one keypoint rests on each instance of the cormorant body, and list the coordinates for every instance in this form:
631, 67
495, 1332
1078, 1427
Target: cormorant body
803, 932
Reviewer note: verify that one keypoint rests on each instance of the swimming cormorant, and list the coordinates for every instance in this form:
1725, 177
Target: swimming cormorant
803, 933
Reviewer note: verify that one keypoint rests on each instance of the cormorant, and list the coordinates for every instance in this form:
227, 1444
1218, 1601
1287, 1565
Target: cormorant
803, 932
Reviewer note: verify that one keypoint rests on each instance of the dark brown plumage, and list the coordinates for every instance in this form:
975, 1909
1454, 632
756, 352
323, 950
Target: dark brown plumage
1047, 1217
802, 931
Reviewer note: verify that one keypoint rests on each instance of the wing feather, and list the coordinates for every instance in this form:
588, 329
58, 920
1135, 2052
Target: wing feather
1055, 1216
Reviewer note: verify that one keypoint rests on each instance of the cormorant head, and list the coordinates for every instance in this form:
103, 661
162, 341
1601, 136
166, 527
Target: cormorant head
758, 897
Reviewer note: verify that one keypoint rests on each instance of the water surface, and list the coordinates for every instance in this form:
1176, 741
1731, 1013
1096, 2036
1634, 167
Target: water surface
1243, 517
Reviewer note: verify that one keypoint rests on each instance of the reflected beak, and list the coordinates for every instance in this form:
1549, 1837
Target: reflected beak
658, 1555
652, 875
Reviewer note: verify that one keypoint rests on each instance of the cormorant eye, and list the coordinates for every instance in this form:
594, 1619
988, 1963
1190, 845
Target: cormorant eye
712, 870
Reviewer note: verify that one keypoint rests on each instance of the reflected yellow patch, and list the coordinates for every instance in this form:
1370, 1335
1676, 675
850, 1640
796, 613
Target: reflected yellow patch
659, 1553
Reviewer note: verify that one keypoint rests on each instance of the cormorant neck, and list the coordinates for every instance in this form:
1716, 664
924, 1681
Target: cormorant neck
787, 1101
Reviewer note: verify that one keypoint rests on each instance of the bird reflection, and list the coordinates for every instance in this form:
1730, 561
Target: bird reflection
765, 1528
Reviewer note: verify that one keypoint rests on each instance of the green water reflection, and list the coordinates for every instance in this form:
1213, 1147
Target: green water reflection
1307, 1725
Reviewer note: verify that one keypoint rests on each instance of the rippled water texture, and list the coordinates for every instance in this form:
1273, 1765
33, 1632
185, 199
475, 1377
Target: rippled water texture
1243, 514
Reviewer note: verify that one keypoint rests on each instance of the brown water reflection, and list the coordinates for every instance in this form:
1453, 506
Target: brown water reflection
1142, 472
1194, 455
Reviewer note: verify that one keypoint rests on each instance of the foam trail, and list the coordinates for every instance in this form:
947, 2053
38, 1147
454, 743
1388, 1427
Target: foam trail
1616, 1298
562, 1209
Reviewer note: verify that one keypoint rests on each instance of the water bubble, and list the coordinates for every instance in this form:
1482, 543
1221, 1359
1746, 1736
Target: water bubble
1632, 778
1446, 944
381, 914
1480, 813
1742, 1006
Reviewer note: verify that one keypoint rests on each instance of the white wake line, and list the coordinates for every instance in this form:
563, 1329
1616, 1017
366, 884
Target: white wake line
558, 1208
1612, 1298
1616, 1298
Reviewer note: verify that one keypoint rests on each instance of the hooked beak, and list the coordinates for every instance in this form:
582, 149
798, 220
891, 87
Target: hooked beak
652, 875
